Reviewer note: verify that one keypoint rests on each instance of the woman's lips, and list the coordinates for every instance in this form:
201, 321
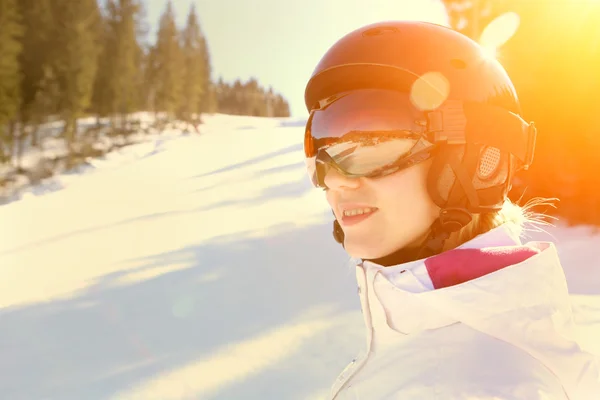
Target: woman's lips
358, 218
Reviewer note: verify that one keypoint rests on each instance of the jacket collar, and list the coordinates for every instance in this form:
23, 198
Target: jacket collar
503, 235
402, 298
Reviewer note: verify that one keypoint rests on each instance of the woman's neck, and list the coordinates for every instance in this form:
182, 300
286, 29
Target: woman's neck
408, 253
400, 256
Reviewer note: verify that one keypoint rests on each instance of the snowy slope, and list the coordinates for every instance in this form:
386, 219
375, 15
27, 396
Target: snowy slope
199, 267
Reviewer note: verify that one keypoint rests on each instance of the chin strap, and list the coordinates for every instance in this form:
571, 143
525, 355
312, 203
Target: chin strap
450, 220
434, 243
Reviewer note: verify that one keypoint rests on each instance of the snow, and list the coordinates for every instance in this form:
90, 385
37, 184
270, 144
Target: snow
195, 267
50, 157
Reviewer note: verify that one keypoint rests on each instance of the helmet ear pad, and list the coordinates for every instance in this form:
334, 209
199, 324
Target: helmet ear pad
471, 177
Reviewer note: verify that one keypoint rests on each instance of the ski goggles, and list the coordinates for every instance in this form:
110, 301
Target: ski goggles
365, 133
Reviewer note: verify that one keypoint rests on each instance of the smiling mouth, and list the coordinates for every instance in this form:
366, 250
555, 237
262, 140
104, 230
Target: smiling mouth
358, 211
353, 217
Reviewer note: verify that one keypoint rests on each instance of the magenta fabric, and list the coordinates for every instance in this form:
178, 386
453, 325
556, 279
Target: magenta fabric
461, 265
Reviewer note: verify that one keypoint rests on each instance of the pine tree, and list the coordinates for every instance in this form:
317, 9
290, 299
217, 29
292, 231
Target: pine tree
141, 56
249, 99
128, 57
282, 108
208, 103
270, 100
105, 85
149, 84
34, 67
38, 84
167, 65
10, 77
255, 99
221, 91
237, 97
117, 82
195, 85
75, 57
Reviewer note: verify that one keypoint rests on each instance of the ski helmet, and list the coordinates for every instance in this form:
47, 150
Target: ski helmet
469, 104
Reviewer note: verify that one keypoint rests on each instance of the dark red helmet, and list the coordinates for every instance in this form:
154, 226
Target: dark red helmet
392, 55
476, 123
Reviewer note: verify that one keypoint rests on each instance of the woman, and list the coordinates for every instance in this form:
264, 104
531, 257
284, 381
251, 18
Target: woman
415, 135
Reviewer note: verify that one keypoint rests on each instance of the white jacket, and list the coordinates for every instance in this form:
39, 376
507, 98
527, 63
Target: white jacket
505, 333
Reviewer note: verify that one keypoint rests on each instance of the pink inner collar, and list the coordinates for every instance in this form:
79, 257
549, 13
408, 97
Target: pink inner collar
461, 265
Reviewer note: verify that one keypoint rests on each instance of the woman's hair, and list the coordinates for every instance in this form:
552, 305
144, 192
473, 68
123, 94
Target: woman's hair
514, 216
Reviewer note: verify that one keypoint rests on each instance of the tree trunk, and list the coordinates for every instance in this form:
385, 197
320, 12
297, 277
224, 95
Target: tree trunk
68, 133
20, 143
12, 137
35, 135
3, 139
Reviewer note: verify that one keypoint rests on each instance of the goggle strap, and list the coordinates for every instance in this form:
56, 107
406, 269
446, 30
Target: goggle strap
459, 122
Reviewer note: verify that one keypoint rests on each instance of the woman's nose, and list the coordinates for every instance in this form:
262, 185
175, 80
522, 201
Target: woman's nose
335, 180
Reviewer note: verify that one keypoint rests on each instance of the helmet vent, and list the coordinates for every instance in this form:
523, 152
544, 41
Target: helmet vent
380, 30
489, 161
458, 64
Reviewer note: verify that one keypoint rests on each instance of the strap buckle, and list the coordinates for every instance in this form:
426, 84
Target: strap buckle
448, 123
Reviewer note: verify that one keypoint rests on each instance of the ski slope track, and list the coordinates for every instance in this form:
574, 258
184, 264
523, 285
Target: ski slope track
196, 267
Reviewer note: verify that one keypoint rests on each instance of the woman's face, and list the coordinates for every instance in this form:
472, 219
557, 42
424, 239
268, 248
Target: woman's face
403, 212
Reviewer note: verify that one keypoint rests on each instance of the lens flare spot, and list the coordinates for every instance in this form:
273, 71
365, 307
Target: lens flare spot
499, 31
430, 91
491, 52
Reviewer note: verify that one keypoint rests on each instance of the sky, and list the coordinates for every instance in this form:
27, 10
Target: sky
279, 42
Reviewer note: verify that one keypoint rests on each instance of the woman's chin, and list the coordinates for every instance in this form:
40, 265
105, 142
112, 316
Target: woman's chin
364, 250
